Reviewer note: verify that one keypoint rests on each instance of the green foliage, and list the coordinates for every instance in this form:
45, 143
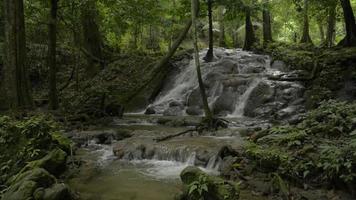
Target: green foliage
319, 150
25, 140
198, 189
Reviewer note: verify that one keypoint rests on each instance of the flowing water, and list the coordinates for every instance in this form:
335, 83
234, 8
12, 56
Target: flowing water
139, 168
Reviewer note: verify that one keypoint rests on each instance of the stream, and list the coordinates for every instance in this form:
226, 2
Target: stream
238, 89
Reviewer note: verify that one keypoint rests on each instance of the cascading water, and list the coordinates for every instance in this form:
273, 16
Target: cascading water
235, 80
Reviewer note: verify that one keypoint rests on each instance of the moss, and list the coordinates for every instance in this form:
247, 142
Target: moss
24, 184
63, 142
54, 162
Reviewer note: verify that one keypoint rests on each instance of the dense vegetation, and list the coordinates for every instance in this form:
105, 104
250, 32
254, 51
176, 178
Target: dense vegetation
72, 64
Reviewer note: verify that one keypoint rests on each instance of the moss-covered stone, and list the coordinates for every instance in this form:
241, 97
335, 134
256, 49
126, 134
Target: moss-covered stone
23, 186
54, 162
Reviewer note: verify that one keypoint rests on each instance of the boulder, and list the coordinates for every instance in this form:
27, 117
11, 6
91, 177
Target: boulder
218, 189
24, 184
176, 104
260, 95
226, 66
150, 111
194, 110
55, 192
194, 98
173, 111
226, 102
279, 65
54, 162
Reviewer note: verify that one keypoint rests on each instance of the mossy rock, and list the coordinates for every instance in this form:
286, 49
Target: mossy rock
54, 162
63, 142
218, 189
23, 186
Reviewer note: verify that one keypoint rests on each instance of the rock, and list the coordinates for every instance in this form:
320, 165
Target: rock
173, 111
54, 162
261, 94
226, 166
176, 104
226, 102
57, 192
226, 66
24, 185
194, 99
115, 109
279, 65
218, 189
260, 186
226, 151
150, 111
194, 111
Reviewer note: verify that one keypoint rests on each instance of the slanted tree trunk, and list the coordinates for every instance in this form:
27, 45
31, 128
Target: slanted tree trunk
194, 10
52, 46
210, 54
267, 28
92, 39
350, 38
222, 42
306, 35
15, 73
163, 61
330, 34
250, 38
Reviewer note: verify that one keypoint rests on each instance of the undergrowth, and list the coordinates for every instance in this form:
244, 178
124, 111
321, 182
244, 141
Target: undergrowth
25, 140
321, 150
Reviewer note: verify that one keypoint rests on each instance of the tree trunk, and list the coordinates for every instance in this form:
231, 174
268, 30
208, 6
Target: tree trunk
306, 35
249, 32
267, 28
16, 81
208, 113
350, 38
163, 61
321, 32
222, 42
330, 35
210, 54
52, 45
92, 40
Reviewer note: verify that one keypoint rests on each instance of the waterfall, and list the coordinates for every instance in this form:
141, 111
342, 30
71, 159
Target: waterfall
239, 109
230, 81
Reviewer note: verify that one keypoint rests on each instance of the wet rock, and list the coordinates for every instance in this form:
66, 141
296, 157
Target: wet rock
194, 99
261, 94
279, 65
194, 111
218, 189
226, 166
150, 111
176, 104
226, 102
173, 111
226, 151
226, 66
